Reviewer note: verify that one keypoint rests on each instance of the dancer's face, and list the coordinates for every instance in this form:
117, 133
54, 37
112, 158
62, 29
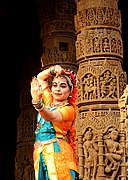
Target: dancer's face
60, 89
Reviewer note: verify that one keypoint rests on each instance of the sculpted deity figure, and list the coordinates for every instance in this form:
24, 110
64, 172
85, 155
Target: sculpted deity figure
90, 152
113, 152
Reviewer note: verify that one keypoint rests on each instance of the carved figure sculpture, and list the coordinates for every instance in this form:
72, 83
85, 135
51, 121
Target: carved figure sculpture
113, 153
90, 152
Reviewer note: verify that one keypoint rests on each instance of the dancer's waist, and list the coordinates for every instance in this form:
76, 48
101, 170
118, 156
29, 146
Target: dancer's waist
39, 143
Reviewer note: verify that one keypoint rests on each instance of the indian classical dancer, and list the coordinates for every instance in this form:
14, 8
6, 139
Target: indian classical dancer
55, 141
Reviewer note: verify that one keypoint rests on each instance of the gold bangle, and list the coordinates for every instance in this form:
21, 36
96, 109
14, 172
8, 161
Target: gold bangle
40, 108
52, 70
39, 104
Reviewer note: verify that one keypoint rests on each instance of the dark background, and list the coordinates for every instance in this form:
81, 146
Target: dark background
20, 40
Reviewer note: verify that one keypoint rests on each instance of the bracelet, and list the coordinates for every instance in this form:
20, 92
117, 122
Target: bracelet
40, 108
39, 104
52, 70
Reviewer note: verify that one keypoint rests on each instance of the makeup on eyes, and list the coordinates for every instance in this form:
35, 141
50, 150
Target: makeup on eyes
56, 83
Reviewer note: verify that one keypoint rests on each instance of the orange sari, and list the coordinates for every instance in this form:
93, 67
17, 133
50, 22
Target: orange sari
54, 158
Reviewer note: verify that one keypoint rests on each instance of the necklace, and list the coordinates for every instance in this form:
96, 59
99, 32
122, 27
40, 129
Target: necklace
57, 104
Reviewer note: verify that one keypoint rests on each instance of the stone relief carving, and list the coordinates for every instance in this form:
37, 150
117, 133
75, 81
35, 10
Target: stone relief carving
106, 80
113, 152
24, 169
99, 41
89, 87
105, 86
105, 45
80, 53
122, 83
96, 46
97, 3
108, 85
100, 81
54, 55
123, 105
91, 143
90, 147
103, 41
27, 169
98, 16
97, 119
57, 26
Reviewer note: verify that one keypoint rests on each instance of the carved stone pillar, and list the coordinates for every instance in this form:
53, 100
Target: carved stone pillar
26, 124
123, 105
58, 32
101, 156
99, 54
81, 158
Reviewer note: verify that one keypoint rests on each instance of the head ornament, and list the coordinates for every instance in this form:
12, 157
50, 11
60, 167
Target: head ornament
72, 80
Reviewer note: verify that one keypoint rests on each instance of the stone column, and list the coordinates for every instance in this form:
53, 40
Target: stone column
99, 55
123, 104
58, 32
